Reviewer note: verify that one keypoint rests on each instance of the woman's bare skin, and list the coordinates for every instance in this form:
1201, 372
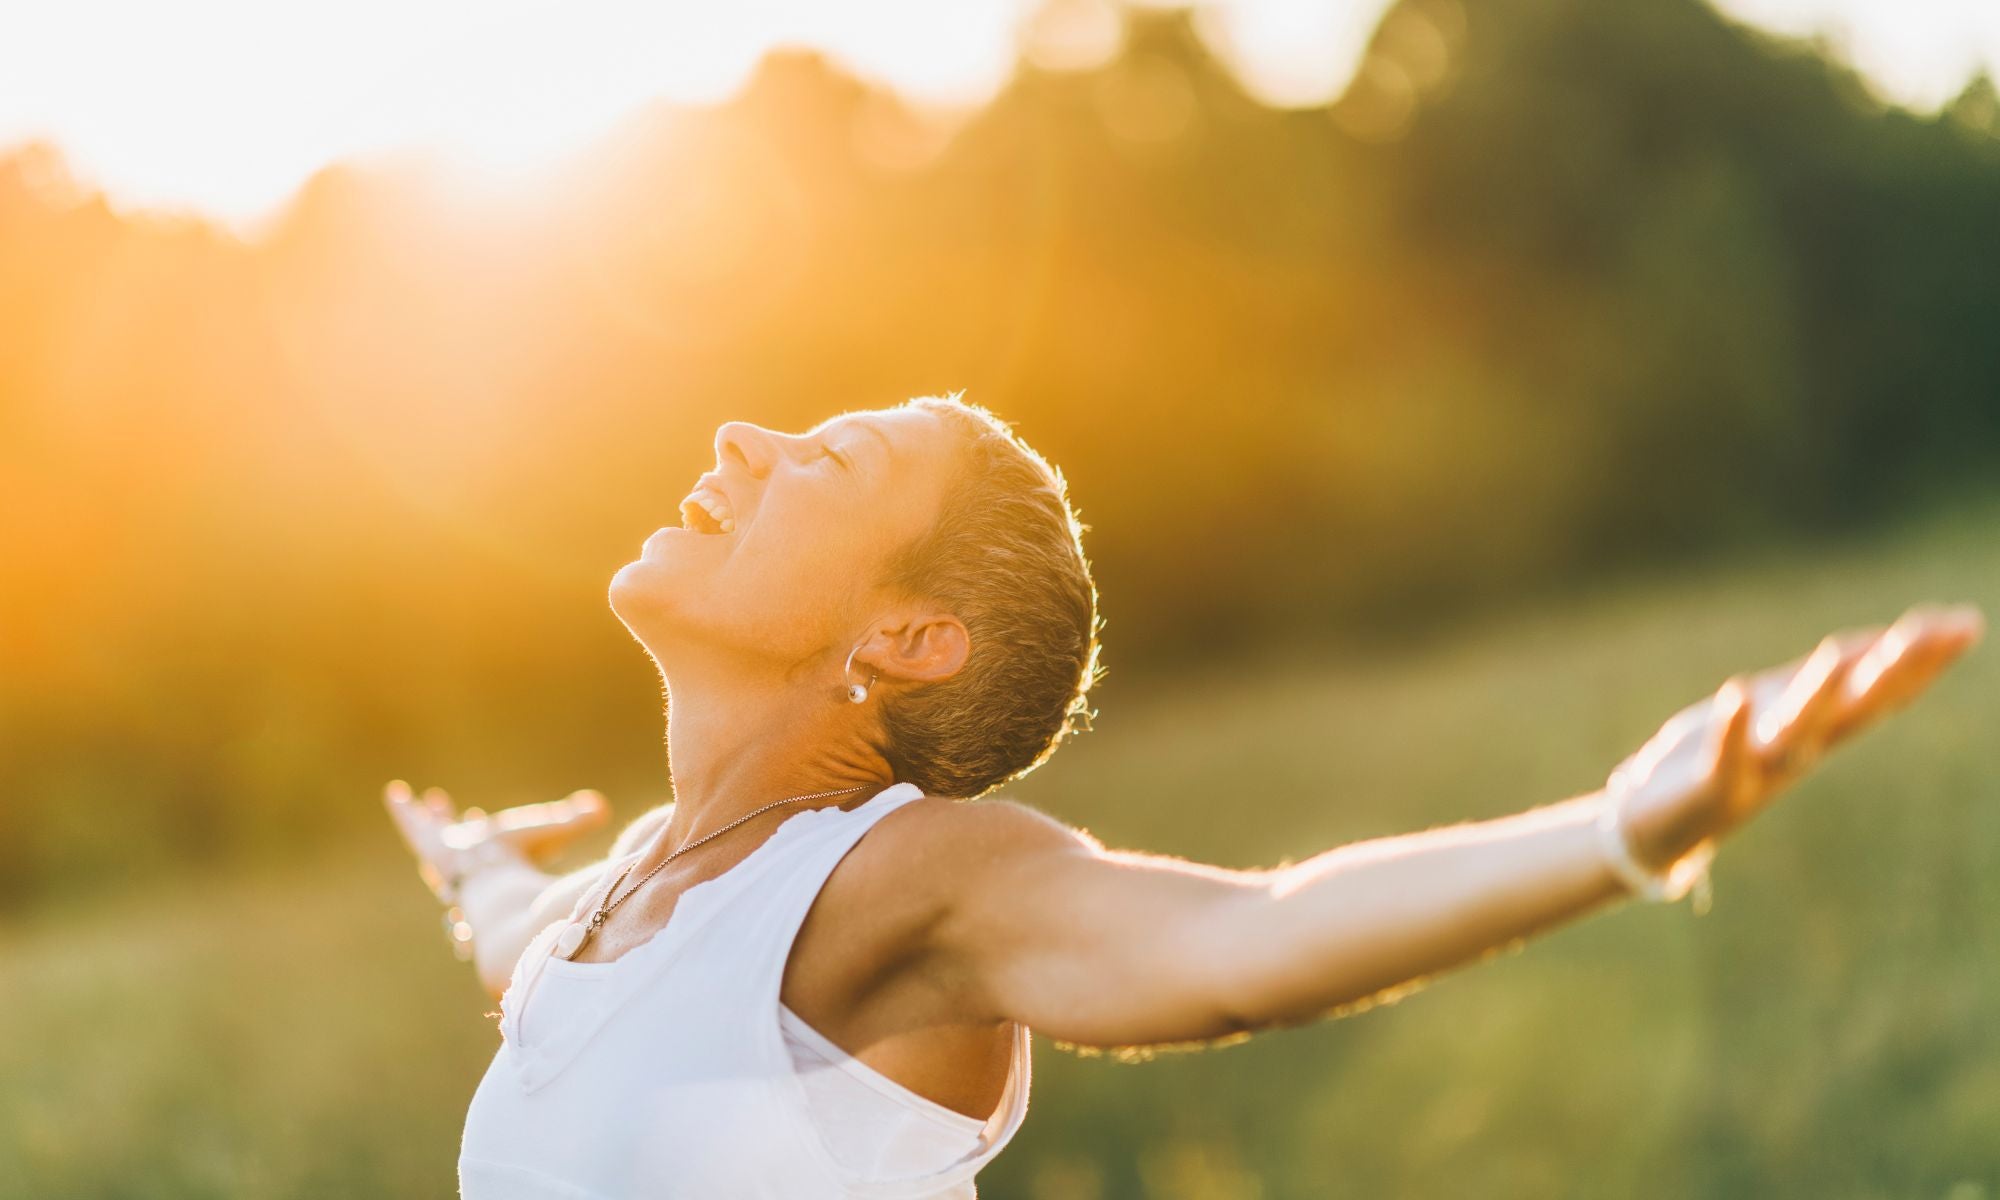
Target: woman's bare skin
952, 919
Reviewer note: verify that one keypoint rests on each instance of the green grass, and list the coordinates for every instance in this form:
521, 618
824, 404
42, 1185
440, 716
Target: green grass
1831, 1029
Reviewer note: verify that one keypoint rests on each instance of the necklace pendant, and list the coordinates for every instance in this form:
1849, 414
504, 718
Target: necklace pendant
571, 940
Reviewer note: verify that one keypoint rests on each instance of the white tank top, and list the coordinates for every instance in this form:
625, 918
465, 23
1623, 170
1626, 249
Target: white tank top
870, 1123
676, 1071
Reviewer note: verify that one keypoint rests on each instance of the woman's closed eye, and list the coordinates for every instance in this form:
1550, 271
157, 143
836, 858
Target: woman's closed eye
845, 463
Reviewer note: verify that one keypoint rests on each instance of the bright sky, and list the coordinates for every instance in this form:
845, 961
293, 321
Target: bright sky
1919, 53
226, 106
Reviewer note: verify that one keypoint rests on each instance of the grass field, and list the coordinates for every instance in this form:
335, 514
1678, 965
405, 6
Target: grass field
1830, 1029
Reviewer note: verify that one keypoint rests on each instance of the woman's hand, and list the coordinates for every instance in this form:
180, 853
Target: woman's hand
1723, 759
441, 837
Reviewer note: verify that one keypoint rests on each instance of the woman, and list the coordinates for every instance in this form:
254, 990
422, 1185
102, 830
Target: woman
858, 629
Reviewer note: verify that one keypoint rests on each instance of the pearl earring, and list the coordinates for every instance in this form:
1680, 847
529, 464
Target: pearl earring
857, 692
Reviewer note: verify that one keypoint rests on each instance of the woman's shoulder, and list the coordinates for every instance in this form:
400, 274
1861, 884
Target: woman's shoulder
932, 847
907, 890
986, 820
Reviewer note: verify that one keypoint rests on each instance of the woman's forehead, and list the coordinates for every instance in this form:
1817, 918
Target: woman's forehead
897, 426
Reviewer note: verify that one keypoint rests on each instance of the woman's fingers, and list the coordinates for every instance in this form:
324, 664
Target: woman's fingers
1904, 661
438, 836
536, 830
1856, 676
405, 811
1775, 690
1791, 735
1718, 761
581, 809
421, 827
1734, 756
439, 803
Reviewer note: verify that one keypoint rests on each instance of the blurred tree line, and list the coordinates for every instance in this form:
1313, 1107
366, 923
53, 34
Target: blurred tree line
1556, 287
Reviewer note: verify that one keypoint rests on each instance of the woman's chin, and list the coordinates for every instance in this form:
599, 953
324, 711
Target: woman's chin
641, 582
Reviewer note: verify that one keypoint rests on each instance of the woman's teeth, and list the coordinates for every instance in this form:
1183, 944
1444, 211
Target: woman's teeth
708, 511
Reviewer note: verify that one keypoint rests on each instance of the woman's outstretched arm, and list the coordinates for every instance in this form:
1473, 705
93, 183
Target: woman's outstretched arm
1112, 948
1037, 922
507, 902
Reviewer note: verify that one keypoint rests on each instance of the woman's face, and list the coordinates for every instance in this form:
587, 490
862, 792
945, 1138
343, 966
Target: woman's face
787, 567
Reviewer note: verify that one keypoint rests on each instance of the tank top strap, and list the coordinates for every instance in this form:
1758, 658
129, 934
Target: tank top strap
778, 891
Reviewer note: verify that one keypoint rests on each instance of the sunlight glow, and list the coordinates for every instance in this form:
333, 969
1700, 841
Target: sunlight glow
226, 106
1916, 53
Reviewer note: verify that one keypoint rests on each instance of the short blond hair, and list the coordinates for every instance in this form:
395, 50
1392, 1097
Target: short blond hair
1005, 555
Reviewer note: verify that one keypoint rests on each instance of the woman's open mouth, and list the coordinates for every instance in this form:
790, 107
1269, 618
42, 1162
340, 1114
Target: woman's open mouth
707, 510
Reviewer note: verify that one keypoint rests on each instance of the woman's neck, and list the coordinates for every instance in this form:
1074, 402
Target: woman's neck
733, 748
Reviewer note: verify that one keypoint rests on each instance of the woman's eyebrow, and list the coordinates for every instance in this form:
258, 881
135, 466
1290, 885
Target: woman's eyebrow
888, 447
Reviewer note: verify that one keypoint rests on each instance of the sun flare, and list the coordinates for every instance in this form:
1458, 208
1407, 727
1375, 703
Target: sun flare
225, 106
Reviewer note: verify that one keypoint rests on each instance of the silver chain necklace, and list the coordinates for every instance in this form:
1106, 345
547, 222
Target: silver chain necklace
573, 939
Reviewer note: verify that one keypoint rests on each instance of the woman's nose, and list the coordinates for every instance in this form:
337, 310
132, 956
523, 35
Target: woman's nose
751, 447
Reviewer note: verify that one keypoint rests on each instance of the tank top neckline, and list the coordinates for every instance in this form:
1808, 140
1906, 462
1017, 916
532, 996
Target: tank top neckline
628, 972
700, 892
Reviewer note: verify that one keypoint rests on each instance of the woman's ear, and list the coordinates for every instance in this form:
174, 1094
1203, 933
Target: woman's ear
929, 648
